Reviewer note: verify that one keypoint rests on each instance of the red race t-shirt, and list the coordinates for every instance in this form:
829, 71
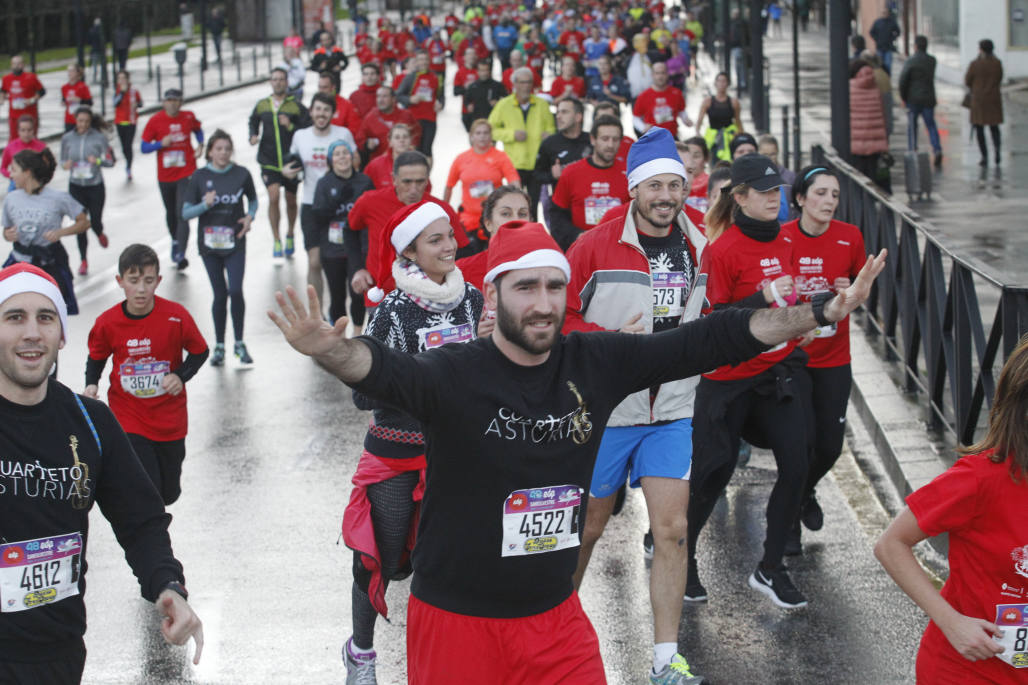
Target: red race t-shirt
72, 95
20, 88
127, 111
426, 86
660, 107
590, 191
560, 85
737, 267
984, 511
175, 161
144, 350
817, 261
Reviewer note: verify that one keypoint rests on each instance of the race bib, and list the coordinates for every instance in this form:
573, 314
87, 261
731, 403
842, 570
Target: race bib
219, 237
480, 189
426, 93
445, 334
662, 114
826, 331
596, 207
541, 520
82, 170
34, 573
1012, 619
668, 287
174, 158
143, 379
335, 233
18, 103
72, 107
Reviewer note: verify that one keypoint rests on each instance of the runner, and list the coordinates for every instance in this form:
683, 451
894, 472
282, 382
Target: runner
423, 97
505, 204
215, 195
334, 197
649, 436
329, 58
167, 133
84, 151
380, 169
480, 94
590, 187
611, 109
32, 217
607, 86
127, 102
374, 130
363, 99
24, 89
74, 94
981, 501
273, 122
345, 116
147, 335
568, 83
568, 145
826, 256
26, 140
765, 400
722, 110
492, 590
307, 153
660, 105
431, 306
698, 158
479, 171
78, 455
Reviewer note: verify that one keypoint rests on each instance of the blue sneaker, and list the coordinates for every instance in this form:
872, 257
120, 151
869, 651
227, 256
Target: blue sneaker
276, 251
176, 254
676, 673
290, 247
218, 355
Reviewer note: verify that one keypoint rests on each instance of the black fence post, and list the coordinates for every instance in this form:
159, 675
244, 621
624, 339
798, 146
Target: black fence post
221, 73
255, 62
785, 135
157, 70
239, 65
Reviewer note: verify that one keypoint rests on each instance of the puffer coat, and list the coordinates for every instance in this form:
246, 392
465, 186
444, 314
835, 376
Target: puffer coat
867, 120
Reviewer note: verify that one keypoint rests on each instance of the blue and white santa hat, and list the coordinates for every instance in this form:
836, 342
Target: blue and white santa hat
654, 153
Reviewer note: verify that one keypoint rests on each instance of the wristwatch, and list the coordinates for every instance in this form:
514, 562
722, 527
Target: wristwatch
178, 587
817, 308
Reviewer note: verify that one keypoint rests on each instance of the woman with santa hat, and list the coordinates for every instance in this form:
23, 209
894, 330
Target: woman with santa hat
430, 306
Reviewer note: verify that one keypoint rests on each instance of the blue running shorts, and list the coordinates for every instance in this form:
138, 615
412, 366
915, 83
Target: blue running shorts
662, 451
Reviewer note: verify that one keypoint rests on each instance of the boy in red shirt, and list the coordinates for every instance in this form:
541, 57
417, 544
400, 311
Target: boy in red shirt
146, 335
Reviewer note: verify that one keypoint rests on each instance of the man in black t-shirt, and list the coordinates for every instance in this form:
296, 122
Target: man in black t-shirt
511, 424
568, 145
60, 454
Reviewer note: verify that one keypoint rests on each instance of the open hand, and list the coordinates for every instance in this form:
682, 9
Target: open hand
845, 301
303, 327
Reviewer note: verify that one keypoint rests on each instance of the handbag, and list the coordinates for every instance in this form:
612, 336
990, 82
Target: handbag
966, 102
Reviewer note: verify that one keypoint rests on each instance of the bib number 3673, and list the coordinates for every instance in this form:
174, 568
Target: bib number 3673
35, 573
541, 520
1012, 619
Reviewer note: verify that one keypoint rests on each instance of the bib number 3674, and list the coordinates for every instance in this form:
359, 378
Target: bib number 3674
541, 520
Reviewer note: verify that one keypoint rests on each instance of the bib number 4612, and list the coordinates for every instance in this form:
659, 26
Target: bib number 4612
38, 576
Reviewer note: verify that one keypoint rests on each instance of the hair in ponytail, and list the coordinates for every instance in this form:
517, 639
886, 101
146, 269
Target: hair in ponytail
40, 164
721, 214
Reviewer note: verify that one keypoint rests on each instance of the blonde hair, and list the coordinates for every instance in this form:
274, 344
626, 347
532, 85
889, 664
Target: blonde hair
721, 214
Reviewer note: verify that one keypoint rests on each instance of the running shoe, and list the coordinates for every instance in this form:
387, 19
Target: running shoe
241, 354
128, 174
102, 239
182, 264
83, 268
290, 247
694, 590
811, 514
794, 541
218, 355
648, 546
676, 673
778, 586
276, 251
745, 451
177, 255
360, 668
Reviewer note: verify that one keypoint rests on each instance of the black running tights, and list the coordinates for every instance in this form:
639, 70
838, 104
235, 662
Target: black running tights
93, 199
830, 388
127, 135
391, 511
217, 266
339, 284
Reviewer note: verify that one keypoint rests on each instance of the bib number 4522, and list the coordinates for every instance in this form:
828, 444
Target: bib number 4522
542, 523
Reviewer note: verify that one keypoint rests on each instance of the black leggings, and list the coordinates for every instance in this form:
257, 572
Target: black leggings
766, 421
979, 132
830, 392
391, 511
174, 194
339, 284
64, 669
235, 265
127, 135
427, 136
93, 199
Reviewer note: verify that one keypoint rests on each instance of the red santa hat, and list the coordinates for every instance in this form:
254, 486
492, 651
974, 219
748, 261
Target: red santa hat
24, 278
523, 245
403, 228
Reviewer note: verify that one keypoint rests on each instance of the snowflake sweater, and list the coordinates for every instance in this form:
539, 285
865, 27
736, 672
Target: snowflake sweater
402, 324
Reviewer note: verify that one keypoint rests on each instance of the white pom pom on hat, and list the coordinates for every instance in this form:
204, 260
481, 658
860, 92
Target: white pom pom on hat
376, 294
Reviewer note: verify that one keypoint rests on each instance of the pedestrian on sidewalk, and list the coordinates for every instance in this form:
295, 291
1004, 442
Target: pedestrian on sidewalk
983, 78
884, 32
867, 122
216, 25
884, 83
122, 42
982, 502
95, 38
738, 42
917, 91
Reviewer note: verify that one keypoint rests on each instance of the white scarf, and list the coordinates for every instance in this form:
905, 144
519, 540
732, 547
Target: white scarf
425, 292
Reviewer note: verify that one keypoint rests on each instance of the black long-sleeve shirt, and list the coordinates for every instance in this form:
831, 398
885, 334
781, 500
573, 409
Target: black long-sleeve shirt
559, 146
506, 442
44, 495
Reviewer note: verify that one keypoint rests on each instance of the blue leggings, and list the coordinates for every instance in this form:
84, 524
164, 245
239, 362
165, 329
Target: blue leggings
235, 265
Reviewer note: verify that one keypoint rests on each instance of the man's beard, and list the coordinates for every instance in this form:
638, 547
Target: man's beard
514, 330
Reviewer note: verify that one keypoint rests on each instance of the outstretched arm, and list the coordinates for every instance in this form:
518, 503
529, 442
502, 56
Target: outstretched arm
774, 326
309, 334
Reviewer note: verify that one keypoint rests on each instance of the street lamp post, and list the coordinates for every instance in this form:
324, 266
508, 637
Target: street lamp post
79, 44
798, 152
203, 35
838, 59
758, 110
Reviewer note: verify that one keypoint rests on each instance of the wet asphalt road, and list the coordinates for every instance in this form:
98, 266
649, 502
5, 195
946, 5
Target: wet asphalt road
271, 449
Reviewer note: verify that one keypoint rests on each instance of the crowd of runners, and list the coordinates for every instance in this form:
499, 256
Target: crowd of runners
648, 294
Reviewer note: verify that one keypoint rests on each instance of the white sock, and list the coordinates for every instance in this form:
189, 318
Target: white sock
663, 653
357, 651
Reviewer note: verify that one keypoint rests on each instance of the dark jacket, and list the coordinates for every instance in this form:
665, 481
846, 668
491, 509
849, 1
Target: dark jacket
884, 32
917, 80
983, 77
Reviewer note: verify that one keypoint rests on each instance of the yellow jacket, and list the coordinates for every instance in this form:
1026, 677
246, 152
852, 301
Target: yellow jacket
506, 118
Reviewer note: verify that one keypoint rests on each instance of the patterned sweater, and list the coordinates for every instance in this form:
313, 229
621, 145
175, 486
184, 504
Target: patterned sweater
402, 324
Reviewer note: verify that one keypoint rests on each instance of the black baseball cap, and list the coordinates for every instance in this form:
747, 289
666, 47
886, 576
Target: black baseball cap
756, 171
173, 94
742, 139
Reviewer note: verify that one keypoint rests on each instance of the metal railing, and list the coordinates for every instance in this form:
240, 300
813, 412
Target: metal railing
927, 306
